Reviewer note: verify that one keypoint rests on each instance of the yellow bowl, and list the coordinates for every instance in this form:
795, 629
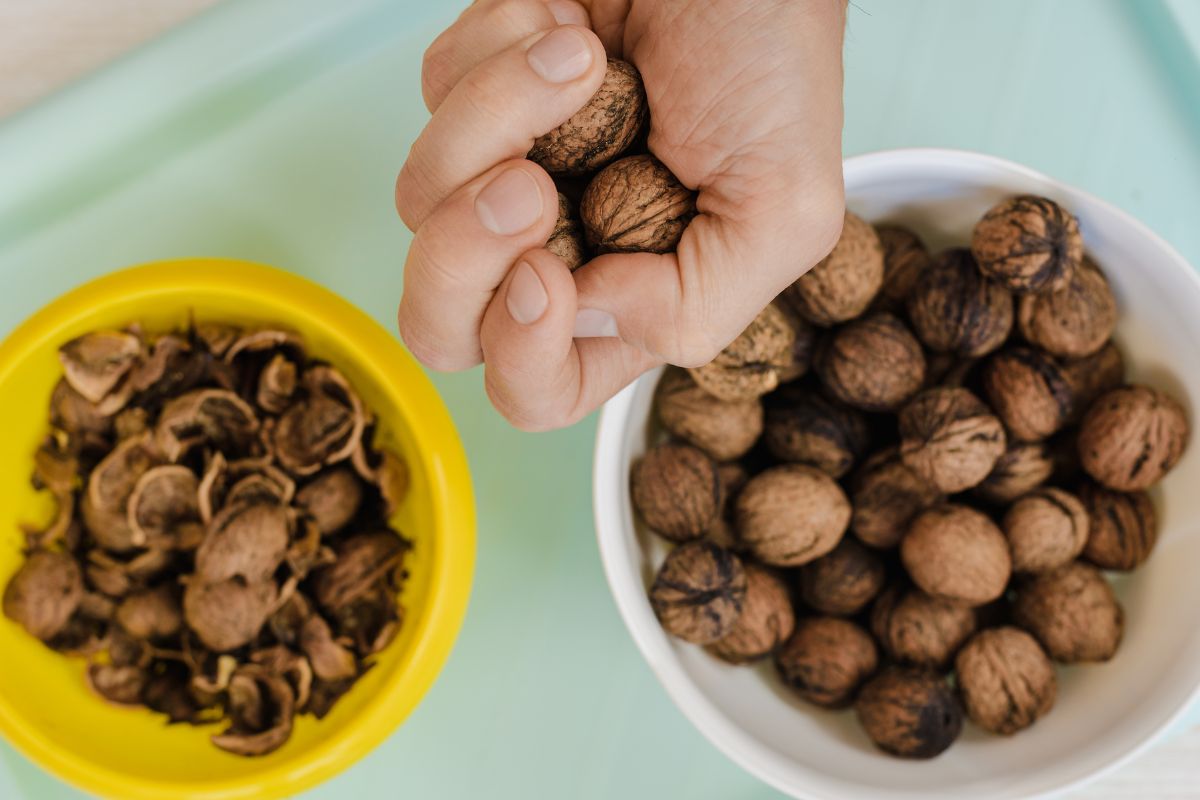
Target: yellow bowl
48, 713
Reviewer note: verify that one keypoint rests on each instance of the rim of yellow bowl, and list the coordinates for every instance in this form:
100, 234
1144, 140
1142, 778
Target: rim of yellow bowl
438, 447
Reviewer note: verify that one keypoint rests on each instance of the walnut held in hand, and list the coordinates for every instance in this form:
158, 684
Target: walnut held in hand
699, 592
1073, 613
1123, 527
826, 660
750, 365
842, 581
803, 427
676, 489
1132, 437
601, 130
766, 620
909, 712
954, 308
915, 628
950, 438
887, 494
956, 553
791, 515
1028, 243
841, 285
1006, 680
905, 257
872, 363
724, 430
1073, 321
636, 205
1046, 529
566, 240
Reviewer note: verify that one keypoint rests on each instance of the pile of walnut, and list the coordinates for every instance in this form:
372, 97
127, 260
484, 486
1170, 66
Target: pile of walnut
964, 418
221, 549
609, 204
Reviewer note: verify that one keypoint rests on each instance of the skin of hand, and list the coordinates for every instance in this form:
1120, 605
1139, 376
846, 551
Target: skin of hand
745, 100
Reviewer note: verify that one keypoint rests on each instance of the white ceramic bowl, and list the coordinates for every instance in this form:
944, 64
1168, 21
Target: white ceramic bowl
1105, 713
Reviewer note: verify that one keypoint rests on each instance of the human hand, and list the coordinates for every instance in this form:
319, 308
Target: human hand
745, 105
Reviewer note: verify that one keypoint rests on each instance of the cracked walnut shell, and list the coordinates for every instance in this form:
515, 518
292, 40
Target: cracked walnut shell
635, 205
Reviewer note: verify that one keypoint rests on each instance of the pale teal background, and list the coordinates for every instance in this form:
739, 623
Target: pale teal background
272, 129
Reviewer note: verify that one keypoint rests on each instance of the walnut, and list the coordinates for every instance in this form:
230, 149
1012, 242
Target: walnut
1028, 243
803, 347
566, 240
43, 593
676, 489
636, 205
1031, 391
791, 515
1006, 680
1123, 527
872, 363
1133, 436
724, 430
915, 628
909, 712
905, 257
723, 532
950, 438
1073, 321
841, 285
887, 495
954, 552
804, 428
842, 581
699, 592
826, 660
749, 366
1046, 529
601, 130
766, 620
1094, 375
151, 613
1073, 613
954, 308
1023, 467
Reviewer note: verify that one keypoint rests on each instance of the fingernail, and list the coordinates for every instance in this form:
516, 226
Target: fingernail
527, 298
509, 204
561, 55
567, 12
591, 323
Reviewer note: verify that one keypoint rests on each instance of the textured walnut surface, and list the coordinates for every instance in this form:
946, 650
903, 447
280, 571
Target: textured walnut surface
841, 285
1006, 680
803, 427
826, 660
1023, 467
909, 712
905, 257
1073, 612
724, 430
750, 365
636, 205
887, 494
954, 308
792, 514
1028, 243
1046, 529
677, 491
601, 130
1122, 529
766, 620
873, 363
566, 240
916, 628
1030, 391
844, 580
699, 592
1073, 321
956, 553
950, 438
1133, 436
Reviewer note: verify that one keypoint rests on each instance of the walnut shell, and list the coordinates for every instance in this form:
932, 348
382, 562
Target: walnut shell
1028, 243
1094, 375
954, 552
1073, 613
873, 363
723, 532
954, 308
699, 592
826, 660
1073, 321
566, 240
1006, 680
792, 514
749, 366
636, 205
950, 438
1123, 527
724, 430
601, 130
915, 628
842, 581
803, 348
909, 712
1023, 467
1030, 391
887, 495
905, 257
1133, 436
43, 593
1046, 529
677, 491
841, 285
804, 428
766, 620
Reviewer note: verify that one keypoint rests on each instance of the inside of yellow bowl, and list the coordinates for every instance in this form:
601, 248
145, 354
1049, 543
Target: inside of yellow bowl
44, 703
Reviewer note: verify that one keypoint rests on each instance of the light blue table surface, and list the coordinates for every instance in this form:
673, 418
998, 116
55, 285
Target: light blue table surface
272, 130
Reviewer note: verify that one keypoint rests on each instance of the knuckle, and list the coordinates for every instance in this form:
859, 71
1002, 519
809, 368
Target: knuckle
685, 342
414, 190
427, 347
483, 95
438, 69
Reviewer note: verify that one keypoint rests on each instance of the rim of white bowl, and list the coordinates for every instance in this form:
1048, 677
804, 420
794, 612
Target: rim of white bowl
610, 484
